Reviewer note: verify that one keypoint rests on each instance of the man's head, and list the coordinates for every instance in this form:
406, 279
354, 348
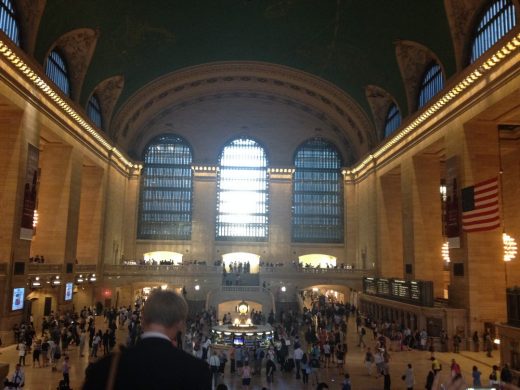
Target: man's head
164, 309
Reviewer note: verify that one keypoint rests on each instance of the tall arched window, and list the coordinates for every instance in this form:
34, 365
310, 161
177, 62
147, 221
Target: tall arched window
242, 195
166, 190
94, 111
392, 120
432, 82
317, 193
56, 69
8, 22
498, 19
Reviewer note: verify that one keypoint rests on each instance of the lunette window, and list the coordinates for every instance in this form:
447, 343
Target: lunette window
242, 192
317, 214
432, 82
392, 120
56, 69
498, 19
8, 22
94, 111
166, 190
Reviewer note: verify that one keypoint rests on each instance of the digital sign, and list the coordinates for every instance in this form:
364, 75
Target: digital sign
18, 298
418, 292
68, 291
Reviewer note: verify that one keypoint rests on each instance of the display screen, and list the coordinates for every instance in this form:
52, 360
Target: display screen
68, 291
18, 298
238, 341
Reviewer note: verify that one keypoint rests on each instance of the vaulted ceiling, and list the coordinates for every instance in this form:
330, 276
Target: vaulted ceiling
349, 44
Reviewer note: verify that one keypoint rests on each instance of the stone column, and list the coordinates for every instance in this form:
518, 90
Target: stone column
18, 131
422, 219
481, 287
351, 216
280, 217
90, 215
131, 216
203, 213
58, 204
390, 225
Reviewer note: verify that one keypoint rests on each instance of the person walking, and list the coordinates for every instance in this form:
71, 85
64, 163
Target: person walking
65, 370
82, 341
270, 368
246, 375
369, 360
475, 374
214, 365
409, 377
298, 355
22, 349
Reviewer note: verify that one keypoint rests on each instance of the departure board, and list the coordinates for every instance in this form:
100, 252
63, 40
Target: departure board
383, 287
417, 292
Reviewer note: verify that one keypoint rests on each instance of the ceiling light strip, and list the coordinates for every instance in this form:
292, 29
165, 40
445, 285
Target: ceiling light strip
504, 52
26, 71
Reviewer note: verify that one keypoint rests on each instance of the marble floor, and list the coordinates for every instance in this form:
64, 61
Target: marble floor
45, 379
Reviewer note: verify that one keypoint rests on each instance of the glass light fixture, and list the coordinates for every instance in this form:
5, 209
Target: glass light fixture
510, 247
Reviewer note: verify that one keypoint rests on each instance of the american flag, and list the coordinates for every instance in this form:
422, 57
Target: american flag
480, 210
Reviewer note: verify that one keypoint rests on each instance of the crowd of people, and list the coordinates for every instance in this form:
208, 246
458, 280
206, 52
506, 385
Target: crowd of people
302, 345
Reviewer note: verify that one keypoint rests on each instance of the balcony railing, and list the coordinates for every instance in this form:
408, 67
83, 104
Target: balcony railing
85, 268
37, 268
163, 270
291, 268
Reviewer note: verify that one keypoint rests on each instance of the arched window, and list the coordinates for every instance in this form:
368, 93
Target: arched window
94, 111
56, 69
166, 190
498, 19
8, 22
392, 120
242, 195
317, 193
432, 82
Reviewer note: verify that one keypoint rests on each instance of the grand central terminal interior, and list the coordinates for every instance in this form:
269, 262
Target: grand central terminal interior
255, 151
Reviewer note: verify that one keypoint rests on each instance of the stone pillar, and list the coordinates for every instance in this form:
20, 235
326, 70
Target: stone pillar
203, 214
481, 287
510, 158
116, 184
422, 219
351, 215
17, 133
367, 222
58, 204
390, 225
280, 202
90, 215
131, 217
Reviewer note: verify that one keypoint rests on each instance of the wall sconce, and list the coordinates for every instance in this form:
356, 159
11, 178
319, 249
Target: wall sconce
35, 283
55, 281
92, 278
80, 279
